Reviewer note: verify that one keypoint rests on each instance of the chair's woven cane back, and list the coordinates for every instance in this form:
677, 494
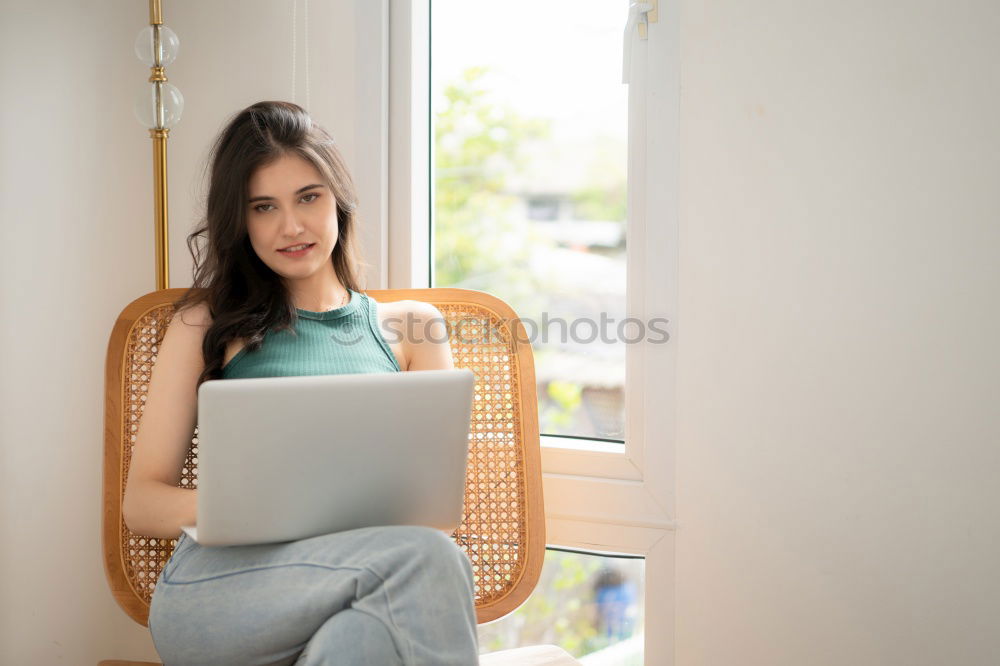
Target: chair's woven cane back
503, 530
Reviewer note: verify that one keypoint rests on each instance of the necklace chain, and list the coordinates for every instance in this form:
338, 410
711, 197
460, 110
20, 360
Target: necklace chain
343, 300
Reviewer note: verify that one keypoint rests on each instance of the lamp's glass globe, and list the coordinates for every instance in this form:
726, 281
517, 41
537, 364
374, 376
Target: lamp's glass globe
145, 105
169, 46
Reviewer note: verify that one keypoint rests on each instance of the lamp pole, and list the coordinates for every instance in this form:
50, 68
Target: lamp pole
159, 108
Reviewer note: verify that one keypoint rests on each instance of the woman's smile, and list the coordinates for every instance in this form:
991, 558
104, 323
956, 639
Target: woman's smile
297, 250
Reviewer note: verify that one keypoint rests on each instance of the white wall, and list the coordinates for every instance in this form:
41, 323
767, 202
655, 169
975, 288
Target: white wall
839, 436
235, 53
76, 230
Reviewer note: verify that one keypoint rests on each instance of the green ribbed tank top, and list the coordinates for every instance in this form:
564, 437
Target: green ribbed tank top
339, 341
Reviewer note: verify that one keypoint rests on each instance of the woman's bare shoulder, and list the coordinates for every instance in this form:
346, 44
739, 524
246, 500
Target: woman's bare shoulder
196, 315
416, 309
409, 316
182, 340
196, 320
426, 336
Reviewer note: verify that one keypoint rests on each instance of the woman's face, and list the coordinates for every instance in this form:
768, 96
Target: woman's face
289, 206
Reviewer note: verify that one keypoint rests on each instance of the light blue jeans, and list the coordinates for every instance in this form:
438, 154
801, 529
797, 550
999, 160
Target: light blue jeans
380, 595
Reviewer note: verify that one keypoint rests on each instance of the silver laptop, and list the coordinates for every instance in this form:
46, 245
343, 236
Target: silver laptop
287, 458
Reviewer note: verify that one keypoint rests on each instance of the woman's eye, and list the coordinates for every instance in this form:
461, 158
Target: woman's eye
264, 207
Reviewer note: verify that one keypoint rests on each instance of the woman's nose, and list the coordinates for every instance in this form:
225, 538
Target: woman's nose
291, 225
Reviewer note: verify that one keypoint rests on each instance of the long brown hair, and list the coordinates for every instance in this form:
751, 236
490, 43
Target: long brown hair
245, 297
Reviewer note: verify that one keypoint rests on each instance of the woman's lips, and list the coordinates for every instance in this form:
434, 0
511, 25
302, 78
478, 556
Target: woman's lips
299, 253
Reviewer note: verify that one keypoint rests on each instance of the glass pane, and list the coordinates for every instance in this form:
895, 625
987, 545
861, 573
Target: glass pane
588, 604
529, 185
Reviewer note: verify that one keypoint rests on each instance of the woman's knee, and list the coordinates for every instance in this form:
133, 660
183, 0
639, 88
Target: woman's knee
431, 541
429, 548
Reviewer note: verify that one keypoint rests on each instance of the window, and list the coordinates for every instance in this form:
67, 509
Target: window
589, 604
529, 177
608, 452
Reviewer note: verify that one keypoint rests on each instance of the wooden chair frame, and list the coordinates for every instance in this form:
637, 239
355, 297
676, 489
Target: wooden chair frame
506, 572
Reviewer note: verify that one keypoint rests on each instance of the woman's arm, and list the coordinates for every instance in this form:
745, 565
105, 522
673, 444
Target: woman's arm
153, 504
426, 341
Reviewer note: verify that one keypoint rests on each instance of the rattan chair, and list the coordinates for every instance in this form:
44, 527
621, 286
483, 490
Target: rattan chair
503, 530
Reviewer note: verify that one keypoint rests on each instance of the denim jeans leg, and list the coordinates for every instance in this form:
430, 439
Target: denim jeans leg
264, 604
349, 625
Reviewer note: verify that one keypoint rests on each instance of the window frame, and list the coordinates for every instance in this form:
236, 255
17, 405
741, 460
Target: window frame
599, 496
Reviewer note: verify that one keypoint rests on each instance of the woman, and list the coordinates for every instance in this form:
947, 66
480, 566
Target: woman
278, 287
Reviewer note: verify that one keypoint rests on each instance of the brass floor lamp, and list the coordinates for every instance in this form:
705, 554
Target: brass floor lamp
158, 107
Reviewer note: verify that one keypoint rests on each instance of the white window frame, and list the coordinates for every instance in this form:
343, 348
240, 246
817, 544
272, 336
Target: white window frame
598, 496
